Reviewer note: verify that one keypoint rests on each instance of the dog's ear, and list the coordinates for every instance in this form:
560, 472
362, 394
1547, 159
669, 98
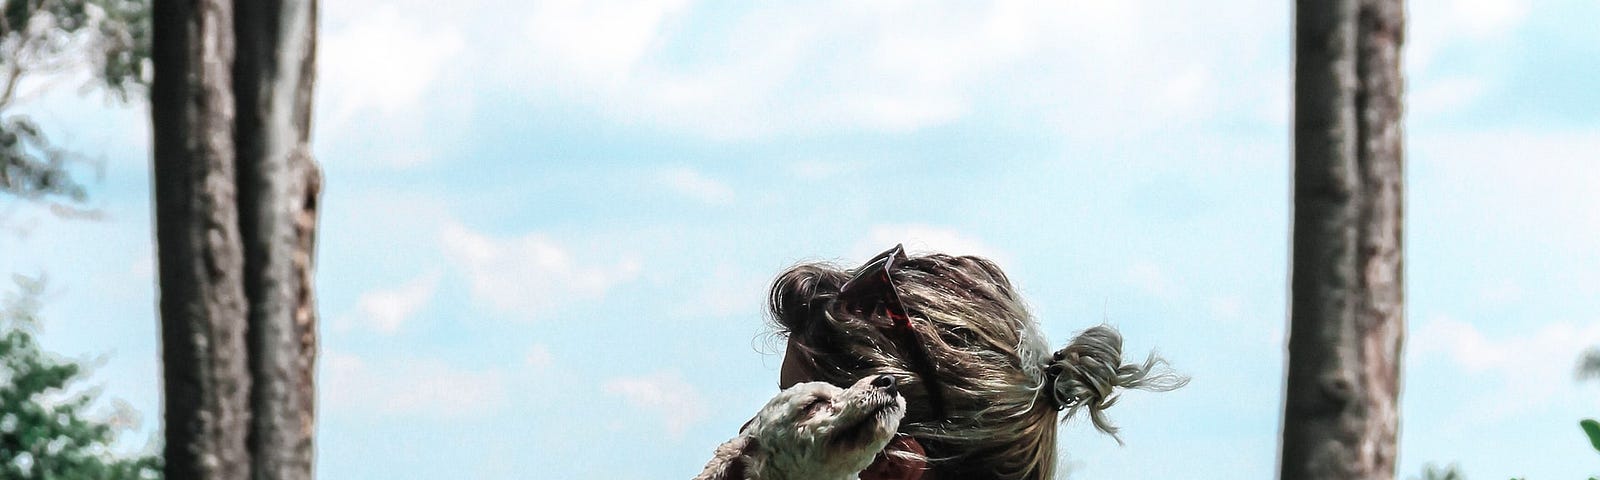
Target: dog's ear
731, 460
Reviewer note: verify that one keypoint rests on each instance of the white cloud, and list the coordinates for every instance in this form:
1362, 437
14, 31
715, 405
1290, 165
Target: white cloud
924, 238
1151, 279
529, 275
1526, 182
596, 41
1445, 95
818, 169
390, 84
1517, 356
1532, 366
386, 310
1434, 25
409, 387
1186, 92
1229, 307
538, 358
728, 290
665, 394
764, 69
691, 183
888, 66
383, 61
1488, 17
1501, 292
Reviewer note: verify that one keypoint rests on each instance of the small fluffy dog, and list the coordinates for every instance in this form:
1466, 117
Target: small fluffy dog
813, 431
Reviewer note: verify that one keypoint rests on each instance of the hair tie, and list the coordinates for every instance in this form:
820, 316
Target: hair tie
1068, 383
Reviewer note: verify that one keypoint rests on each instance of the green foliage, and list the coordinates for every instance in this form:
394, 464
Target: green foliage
45, 430
1433, 472
1589, 369
49, 37
1589, 365
1591, 428
30, 167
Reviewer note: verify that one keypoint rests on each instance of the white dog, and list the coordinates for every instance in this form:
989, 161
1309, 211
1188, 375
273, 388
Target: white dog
813, 431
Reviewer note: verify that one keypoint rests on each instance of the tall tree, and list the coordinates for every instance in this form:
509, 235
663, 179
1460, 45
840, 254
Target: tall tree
1347, 318
198, 248
278, 188
236, 192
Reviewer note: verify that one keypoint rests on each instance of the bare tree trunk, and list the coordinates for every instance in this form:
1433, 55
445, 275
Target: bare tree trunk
278, 188
1346, 315
197, 241
236, 213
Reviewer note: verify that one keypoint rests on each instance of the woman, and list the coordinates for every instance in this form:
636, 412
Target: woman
983, 390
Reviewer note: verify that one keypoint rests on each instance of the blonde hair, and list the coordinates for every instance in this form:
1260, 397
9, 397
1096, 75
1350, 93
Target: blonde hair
1002, 388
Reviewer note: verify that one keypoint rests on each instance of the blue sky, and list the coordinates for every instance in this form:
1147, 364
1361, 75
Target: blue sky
549, 226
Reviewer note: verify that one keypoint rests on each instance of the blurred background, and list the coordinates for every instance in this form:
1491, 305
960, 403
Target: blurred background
549, 226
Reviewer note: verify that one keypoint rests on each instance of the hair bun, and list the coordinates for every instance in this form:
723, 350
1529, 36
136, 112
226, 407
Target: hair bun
801, 294
1089, 370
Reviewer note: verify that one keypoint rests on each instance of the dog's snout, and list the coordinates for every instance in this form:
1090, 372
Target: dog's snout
885, 382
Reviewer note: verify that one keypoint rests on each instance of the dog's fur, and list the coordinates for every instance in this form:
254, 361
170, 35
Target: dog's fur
813, 431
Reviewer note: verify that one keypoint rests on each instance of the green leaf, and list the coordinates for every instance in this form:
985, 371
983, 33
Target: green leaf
58, 439
1592, 428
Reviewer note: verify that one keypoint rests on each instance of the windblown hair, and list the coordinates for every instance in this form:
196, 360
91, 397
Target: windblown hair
1002, 387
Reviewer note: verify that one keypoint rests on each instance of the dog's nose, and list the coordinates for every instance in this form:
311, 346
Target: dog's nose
885, 382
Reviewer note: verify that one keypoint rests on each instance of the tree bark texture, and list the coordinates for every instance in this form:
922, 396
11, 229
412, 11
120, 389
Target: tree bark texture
1347, 320
279, 185
201, 263
236, 213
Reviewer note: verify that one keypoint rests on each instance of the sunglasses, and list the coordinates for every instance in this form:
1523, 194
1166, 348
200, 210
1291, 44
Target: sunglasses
872, 294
